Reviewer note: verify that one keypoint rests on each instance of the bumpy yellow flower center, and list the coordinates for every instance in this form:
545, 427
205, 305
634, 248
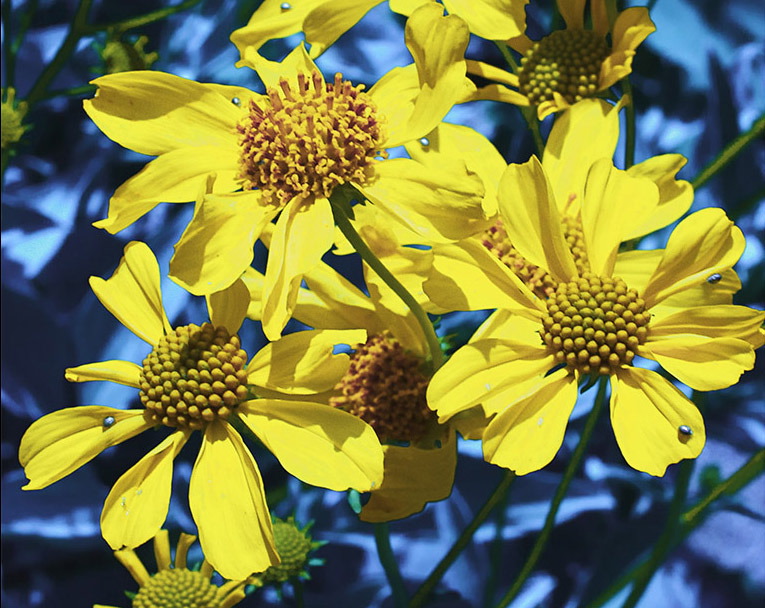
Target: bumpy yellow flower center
567, 62
194, 375
293, 547
595, 324
385, 387
305, 142
178, 588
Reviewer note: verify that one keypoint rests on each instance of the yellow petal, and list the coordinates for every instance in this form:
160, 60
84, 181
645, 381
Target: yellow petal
490, 72
491, 19
600, 24
272, 72
613, 201
440, 205
134, 565
228, 307
303, 363
479, 369
216, 246
647, 412
162, 550
304, 232
499, 92
317, 443
413, 477
136, 506
154, 112
330, 20
572, 12
723, 321
526, 436
228, 503
704, 243
175, 177
632, 26
505, 325
705, 364
530, 216
121, 372
132, 293
394, 95
60, 442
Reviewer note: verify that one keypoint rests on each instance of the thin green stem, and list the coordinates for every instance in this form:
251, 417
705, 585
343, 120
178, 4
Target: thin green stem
436, 356
390, 565
85, 89
297, 589
495, 552
9, 59
730, 152
629, 134
141, 20
422, 594
560, 493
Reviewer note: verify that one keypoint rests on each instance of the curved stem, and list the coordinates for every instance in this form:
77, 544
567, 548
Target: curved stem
560, 493
421, 596
629, 134
436, 356
151, 17
389, 564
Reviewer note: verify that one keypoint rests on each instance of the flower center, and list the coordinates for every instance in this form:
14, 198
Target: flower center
293, 546
178, 588
305, 142
194, 375
385, 387
595, 324
567, 62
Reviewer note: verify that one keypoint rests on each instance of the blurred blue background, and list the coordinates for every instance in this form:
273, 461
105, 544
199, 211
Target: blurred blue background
699, 81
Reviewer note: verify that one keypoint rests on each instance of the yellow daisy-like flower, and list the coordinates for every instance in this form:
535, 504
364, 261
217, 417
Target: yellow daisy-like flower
569, 65
198, 378
526, 363
175, 585
285, 153
324, 21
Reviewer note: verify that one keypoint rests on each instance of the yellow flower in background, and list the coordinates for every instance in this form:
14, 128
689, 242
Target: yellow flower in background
198, 378
526, 362
569, 65
175, 585
248, 159
324, 21
12, 115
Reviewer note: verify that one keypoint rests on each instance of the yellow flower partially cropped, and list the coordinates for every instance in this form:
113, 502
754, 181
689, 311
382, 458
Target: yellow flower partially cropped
603, 311
198, 378
569, 65
250, 159
13, 113
175, 585
324, 21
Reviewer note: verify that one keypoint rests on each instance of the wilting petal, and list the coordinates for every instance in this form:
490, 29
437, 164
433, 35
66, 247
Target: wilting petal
60, 442
228, 503
228, 307
526, 436
132, 293
330, 20
303, 363
121, 372
136, 506
647, 412
413, 477
317, 443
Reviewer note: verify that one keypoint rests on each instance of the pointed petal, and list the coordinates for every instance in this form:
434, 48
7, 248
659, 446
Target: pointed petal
527, 435
61, 442
704, 243
317, 443
490, 72
413, 477
228, 503
132, 293
304, 232
646, 413
499, 92
330, 20
632, 26
228, 307
134, 565
136, 506
272, 72
121, 372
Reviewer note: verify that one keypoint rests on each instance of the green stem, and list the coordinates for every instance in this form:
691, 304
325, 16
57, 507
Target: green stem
495, 552
436, 357
421, 595
389, 564
730, 152
85, 89
141, 20
9, 59
297, 589
560, 493
629, 135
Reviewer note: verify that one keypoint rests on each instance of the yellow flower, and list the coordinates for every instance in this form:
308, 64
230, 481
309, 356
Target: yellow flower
198, 378
285, 153
526, 362
13, 114
324, 21
571, 64
175, 585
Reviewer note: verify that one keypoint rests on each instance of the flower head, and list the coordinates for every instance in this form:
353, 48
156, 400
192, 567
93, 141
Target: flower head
196, 377
294, 545
12, 118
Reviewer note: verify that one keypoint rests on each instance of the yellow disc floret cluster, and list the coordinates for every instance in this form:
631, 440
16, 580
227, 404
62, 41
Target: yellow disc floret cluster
385, 387
567, 62
193, 376
178, 588
293, 546
595, 324
303, 142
